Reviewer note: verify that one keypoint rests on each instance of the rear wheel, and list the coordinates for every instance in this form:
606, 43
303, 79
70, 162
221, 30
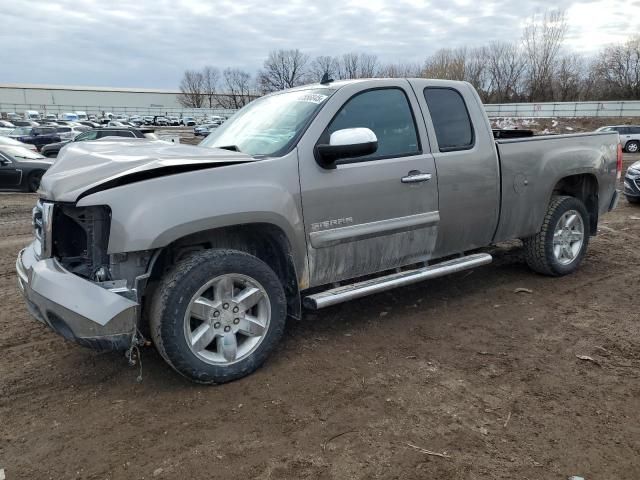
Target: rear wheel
633, 147
217, 315
561, 244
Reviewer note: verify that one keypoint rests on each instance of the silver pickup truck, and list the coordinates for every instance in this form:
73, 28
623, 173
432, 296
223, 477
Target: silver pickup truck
306, 197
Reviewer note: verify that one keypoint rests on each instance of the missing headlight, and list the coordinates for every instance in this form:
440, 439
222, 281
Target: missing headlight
81, 237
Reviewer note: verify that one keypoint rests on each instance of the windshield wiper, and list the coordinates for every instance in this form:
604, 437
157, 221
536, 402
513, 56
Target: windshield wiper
233, 148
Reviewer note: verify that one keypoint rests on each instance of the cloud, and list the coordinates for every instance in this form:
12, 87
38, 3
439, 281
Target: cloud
149, 43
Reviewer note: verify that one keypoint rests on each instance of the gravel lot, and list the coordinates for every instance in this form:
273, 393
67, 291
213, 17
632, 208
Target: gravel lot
462, 366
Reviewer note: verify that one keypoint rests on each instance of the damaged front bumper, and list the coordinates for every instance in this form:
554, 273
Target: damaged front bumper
77, 309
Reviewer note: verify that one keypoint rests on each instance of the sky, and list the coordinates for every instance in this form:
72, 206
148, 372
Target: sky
149, 43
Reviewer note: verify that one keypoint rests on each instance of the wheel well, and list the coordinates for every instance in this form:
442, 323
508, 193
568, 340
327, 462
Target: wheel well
585, 188
265, 241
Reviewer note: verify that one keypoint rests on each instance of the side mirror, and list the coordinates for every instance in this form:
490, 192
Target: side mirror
346, 143
4, 162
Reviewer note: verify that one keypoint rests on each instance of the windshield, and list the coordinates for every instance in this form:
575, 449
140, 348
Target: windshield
21, 131
269, 125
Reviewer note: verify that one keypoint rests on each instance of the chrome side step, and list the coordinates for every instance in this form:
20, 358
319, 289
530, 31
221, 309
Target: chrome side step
376, 285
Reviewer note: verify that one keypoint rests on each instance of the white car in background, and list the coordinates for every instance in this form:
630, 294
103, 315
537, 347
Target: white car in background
15, 143
70, 132
629, 136
188, 121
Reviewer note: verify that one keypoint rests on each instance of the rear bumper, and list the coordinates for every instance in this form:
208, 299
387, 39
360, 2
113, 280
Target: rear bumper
75, 308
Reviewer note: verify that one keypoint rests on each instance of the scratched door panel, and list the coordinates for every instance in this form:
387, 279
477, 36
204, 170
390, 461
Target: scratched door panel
360, 217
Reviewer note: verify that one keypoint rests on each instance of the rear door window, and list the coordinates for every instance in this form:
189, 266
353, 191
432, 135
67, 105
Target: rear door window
450, 118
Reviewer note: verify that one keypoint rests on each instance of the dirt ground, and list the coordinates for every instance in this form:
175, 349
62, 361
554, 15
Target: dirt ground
462, 366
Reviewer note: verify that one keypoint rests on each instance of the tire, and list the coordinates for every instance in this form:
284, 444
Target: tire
632, 146
219, 358
547, 258
33, 180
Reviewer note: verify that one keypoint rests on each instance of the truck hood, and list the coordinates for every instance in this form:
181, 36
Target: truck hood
101, 164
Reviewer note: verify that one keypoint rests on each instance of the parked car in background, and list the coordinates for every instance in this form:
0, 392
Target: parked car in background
629, 136
89, 123
38, 136
148, 119
21, 169
136, 119
15, 143
33, 115
11, 116
174, 121
632, 183
82, 115
25, 123
69, 133
216, 119
6, 127
204, 130
69, 117
50, 117
121, 117
188, 121
160, 121
115, 123
53, 149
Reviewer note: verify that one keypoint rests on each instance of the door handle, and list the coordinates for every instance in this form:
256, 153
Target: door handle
416, 177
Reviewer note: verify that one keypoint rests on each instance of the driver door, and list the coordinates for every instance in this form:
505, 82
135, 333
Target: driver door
371, 213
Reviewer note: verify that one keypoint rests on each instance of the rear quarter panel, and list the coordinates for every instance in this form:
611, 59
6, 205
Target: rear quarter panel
532, 167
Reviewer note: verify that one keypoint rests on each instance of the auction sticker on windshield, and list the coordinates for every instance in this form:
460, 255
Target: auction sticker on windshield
313, 98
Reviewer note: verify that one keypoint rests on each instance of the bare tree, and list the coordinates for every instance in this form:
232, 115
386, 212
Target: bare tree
542, 40
505, 66
446, 63
211, 78
400, 70
324, 65
569, 79
192, 88
283, 69
358, 65
619, 69
237, 89
368, 65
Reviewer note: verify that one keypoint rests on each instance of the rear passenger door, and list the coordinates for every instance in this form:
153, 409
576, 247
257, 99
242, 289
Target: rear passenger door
466, 159
367, 214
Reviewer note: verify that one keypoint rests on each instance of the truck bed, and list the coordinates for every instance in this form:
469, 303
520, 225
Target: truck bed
531, 168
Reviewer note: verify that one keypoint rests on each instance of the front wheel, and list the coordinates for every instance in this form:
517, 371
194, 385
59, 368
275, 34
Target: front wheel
217, 315
561, 244
33, 181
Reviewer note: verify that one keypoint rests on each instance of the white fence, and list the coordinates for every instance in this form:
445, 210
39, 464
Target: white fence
565, 109
98, 110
